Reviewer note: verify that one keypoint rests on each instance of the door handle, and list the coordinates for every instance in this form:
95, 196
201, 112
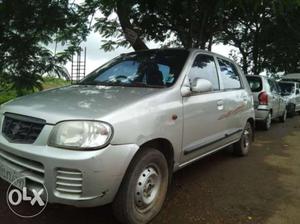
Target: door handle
220, 104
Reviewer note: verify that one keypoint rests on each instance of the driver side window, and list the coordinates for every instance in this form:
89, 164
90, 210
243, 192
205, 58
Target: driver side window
204, 67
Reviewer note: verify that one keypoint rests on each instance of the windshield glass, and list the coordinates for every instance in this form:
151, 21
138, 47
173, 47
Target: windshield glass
287, 88
156, 69
255, 83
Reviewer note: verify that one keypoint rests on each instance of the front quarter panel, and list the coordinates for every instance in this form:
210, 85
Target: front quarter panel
158, 116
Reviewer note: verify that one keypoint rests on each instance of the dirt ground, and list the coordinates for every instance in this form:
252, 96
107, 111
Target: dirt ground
263, 187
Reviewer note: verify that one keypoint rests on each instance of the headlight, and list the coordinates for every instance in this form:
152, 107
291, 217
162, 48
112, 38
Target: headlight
80, 135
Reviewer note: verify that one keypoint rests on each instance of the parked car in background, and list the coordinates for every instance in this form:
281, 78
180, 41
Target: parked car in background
120, 133
292, 77
269, 104
291, 92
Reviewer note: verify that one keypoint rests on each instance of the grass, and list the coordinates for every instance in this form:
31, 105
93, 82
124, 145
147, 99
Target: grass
49, 83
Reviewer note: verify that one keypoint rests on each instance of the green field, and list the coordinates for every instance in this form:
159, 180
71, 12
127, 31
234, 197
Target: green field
48, 84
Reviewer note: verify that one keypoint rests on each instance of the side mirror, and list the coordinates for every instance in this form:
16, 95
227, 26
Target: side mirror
297, 92
201, 86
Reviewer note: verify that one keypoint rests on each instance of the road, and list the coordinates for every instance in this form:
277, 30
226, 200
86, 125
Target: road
262, 188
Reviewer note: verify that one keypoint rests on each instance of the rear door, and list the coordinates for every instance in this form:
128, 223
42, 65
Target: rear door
256, 85
282, 102
274, 98
235, 99
203, 130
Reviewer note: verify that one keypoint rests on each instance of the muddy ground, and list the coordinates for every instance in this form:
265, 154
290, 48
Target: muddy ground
263, 187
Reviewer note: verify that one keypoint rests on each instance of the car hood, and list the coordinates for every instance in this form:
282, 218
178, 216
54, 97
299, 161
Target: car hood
77, 102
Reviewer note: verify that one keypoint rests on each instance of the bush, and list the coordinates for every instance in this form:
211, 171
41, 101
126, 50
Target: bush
6, 93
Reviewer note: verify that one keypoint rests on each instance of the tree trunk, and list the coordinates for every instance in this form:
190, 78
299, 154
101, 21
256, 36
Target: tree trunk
131, 35
244, 63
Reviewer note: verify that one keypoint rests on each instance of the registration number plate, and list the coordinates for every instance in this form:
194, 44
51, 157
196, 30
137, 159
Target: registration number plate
12, 176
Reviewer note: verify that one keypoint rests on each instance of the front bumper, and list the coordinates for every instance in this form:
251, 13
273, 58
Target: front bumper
78, 178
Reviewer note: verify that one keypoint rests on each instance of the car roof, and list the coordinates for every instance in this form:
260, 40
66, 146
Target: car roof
191, 50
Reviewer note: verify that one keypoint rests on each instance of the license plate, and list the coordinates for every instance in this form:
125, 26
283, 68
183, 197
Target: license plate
12, 176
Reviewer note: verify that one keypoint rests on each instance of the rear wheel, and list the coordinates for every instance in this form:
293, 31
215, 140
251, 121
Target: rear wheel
242, 147
144, 188
267, 122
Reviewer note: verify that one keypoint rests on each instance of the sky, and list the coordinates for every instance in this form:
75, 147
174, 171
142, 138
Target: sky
97, 57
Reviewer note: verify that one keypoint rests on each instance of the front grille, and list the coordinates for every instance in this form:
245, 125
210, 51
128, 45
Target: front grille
31, 169
21, 129
69, 181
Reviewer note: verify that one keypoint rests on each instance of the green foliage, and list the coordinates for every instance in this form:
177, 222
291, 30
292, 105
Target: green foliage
281, 46
266, 32
189, 23
26, 26
10, 93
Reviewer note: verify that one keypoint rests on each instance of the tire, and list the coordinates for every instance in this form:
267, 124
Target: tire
137, 201
266, 125
283, 117
242, 147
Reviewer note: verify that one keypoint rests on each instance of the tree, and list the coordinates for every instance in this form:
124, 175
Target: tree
282, 43
26, 27
245, 31
190, 23
266, 32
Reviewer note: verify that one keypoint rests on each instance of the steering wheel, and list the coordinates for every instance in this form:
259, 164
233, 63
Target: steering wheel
121, 78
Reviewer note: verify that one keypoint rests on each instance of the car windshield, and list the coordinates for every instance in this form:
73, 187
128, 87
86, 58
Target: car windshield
255, 83
287, 88
153, 69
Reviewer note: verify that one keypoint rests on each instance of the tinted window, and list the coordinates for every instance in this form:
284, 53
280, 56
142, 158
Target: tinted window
229, 75
143, 69
255, 83
204, 67
287, 88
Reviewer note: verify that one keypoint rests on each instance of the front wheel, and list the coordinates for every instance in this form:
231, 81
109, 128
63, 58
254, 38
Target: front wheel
242, 147
144, 188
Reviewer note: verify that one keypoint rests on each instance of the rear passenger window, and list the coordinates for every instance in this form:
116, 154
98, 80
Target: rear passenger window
255, 83
204, 67
229, 75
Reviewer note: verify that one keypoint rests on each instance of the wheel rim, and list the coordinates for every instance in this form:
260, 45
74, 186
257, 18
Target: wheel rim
147, 188
246, 139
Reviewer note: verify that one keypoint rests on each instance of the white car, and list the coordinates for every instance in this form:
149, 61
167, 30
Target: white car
291, 92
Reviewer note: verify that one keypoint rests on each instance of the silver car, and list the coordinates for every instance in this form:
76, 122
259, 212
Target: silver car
268, 102
291, 92
121, 132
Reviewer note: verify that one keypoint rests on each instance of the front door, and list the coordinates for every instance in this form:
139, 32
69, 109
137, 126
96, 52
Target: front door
203, 127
